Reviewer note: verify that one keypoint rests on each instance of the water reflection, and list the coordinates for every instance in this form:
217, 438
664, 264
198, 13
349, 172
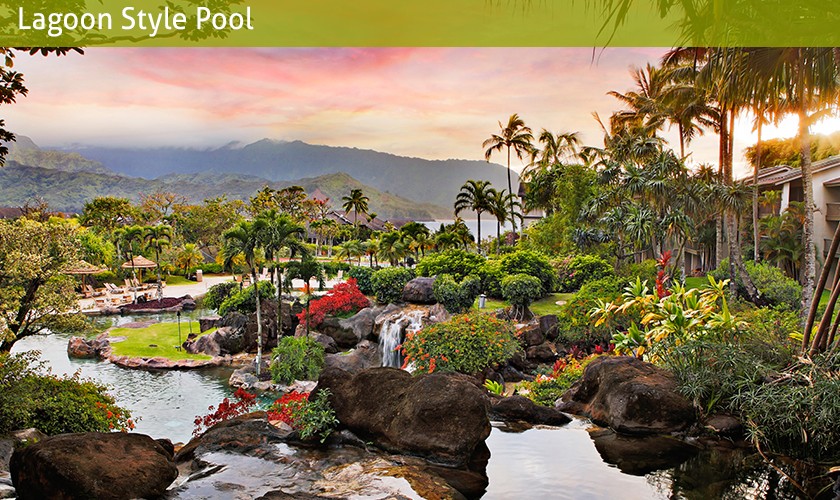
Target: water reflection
166, 400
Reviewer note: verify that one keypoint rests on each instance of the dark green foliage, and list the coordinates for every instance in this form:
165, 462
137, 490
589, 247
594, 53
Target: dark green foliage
774, 286
533, 264
455, 262
208, 268
575, 326
363, 276
243, 300
456, 297
305, 270
296, 358
521, 289
315, 417
388, 283
54, 405
331, 269
575, 271
645, 271
218, 293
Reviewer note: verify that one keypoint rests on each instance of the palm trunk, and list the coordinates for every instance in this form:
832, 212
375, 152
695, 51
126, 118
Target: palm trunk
259, 321
756, 168
810, 262
498, 236
510, 190
478, 222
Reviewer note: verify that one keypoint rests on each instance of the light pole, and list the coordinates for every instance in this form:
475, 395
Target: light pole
178, 347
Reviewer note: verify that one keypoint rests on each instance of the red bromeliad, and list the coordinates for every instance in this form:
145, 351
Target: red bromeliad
225, 411
283, 407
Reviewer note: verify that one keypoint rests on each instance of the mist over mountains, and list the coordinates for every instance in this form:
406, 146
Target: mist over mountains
429, 181
398, 187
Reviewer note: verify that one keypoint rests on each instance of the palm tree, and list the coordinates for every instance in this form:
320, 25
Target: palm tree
126, 238
499, 202
245, 239
350, 249
189, 256
446, 240
157, 238
357, 202
393, 247
371, 248
556, 148
515, 135
475, 196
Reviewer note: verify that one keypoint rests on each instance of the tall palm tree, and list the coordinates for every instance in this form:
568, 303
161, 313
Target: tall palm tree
357, 202
475, 196
157, 238
516, 136
246, 238
126, 238
189, 256
556, 148
350, 249
500, 201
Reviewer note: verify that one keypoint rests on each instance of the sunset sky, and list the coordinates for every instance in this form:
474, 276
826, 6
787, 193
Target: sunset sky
432, 103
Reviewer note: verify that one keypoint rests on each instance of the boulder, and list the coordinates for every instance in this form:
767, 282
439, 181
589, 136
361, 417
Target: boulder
441, 417
330, 347
14, 440
511, 374
543, 353
244, 377
725, 425
249, 434
439, 314
348, 332
93, 465
79, 347
532, 334
365, 355
188, 303
630, 396
207, 322
548, 326
522, 409
419, 291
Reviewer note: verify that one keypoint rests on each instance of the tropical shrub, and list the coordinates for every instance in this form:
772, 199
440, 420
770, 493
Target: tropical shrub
331, 269
575, 325
520, 290
310, 417
455, 262
456, 297
296, 358
573, 272
227, 410
388, 283
494, 387
208, 268
363, 277
468, 343
344, 299
491, 275
774, 285
677, 317
645, 270
244, 302
546, 389
219, 292
533, 264
29, 397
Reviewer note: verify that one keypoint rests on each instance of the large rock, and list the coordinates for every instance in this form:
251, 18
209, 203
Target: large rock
79, 347
249, 434
207, 322
15, 440
522, 409
93, 465
350, 331
548, 325
419, 291
441, 417
365, 355
531, 334
637, 455
629, 396
542, 353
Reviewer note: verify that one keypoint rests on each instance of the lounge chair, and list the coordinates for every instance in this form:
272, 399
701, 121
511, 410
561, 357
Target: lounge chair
94, 293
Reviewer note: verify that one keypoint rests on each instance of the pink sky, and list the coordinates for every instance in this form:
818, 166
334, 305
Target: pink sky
432, 103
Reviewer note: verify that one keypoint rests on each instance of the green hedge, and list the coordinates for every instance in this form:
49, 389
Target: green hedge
388, 283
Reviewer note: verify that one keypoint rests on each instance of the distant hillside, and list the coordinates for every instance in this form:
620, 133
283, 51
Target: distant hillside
429, 181
68, 191
26, 152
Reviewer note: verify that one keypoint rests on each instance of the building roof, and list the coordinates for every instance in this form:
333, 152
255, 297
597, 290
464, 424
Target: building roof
792, 174
10, 212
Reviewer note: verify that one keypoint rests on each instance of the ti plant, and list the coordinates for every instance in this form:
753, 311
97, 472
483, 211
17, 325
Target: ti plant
669, 319
494, 387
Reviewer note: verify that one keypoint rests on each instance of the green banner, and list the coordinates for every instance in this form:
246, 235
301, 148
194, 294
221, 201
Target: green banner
451, 23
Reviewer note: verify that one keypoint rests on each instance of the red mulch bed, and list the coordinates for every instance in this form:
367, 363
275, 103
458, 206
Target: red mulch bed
163, 303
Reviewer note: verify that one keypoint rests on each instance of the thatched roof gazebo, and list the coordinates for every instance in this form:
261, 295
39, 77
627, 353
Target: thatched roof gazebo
139, 262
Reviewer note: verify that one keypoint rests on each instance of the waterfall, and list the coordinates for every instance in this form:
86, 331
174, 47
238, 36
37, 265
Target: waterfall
391, 335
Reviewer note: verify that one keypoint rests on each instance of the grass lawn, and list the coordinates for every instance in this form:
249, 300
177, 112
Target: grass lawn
138, 341
546, 305
696, 282
177, 279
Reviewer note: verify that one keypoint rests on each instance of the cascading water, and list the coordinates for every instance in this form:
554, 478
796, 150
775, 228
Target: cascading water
390, 335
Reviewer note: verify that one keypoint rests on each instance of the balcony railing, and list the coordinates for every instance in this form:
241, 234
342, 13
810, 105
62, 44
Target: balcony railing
832, 211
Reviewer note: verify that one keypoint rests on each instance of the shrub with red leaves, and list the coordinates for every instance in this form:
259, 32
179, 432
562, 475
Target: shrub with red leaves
343, 298
661, 276
225, 411
283, 407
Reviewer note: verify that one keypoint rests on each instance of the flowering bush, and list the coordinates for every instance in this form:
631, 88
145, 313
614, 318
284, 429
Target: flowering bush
468, 343
227, 410
309, 417
344, 298
546, 389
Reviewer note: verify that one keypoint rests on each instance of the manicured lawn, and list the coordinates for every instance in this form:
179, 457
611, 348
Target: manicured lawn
696, 282
546, 305
139, 341
177, 279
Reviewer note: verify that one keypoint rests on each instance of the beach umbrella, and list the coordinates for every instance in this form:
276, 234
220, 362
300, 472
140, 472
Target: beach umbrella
139, 262
83, 268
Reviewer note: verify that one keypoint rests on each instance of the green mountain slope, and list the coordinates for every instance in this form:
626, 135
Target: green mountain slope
68, 191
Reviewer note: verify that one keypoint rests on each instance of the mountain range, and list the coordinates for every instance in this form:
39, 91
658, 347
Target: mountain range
398, 187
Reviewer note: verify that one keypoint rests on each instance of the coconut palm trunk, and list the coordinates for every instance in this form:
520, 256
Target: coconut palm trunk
259, 321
